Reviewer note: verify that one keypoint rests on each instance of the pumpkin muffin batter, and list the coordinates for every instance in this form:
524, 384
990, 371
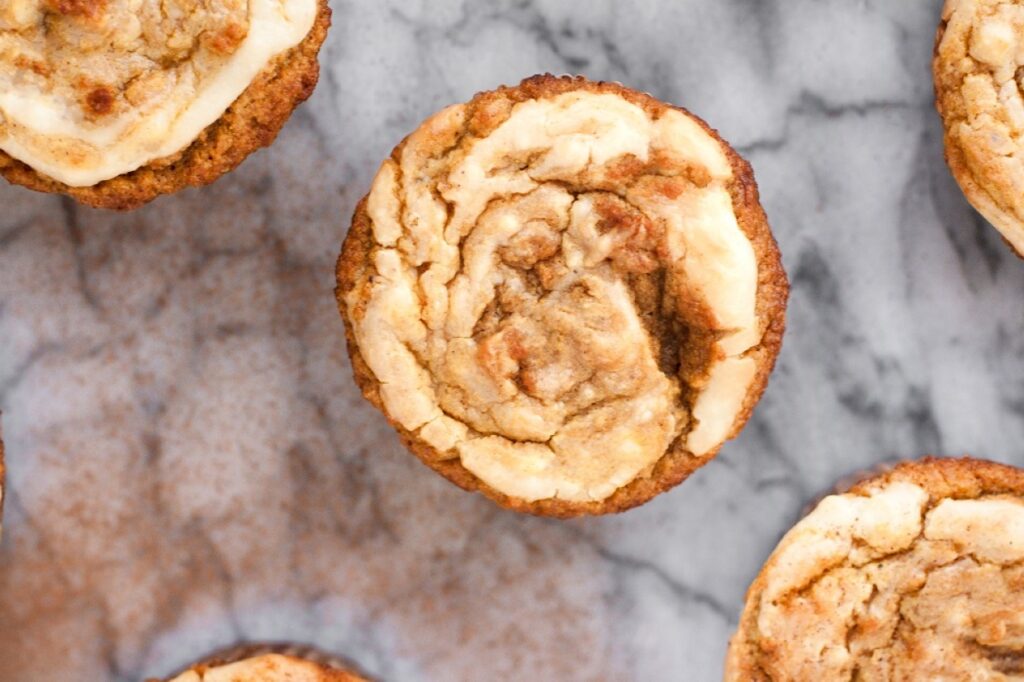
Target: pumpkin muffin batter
979, 72
915, 574
564, 295
115, 102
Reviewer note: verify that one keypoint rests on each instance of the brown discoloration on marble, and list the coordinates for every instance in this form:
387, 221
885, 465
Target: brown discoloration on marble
3, 479
196, 455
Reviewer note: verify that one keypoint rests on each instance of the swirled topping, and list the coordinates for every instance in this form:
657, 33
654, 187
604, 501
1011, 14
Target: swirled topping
891, 585
266, 668
93, 89
561, 292
979, 77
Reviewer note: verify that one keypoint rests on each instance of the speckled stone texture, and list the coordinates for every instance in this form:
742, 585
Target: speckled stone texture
191, 465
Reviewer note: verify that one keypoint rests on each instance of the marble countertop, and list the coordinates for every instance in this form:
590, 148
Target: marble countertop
191, 464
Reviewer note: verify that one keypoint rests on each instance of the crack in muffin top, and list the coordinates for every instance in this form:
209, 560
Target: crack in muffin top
918, 575
93, 89
558, 291
979, 67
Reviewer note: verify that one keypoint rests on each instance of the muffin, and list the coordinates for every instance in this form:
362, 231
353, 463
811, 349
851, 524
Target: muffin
115, 103
979, 53
564, 295
269, 663
913, 574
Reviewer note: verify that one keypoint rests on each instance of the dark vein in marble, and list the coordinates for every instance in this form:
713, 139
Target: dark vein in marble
686, 594
808, 104
69, 210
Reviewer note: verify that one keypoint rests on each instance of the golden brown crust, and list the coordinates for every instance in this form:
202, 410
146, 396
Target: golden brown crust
674, 467
965, 478
752, 657
250, 123
980, 132
333, 668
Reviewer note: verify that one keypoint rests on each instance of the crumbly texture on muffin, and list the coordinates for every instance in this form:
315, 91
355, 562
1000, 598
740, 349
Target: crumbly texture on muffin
270, 663
252, 121
916, 574
100, 57
979, 53
564, 295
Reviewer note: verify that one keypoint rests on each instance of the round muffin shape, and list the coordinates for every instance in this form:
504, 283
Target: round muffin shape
269, 663
979, 55
115, 103
917, 573
564, 295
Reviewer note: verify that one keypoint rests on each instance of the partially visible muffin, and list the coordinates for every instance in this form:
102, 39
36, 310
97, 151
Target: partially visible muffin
269, 663
563, 294
914, 574
115, 103
979, 55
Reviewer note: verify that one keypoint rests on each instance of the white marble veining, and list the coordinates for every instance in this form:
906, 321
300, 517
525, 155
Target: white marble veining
191, 464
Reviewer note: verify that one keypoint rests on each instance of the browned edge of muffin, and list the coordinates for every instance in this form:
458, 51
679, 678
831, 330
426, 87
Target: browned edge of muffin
340, 669
940, 477
845, 483
676, 465
251, 122
951, 107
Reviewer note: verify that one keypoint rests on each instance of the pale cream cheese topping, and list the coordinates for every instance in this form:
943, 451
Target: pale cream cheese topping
501, 322
93, 89
979, 76
892, 585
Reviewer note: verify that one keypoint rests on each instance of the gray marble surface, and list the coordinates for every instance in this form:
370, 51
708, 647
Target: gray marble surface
191, 464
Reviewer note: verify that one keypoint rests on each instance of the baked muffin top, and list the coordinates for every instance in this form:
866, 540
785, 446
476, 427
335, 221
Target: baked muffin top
93, 89
978, 58
916, 574
267, 668
550, 284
